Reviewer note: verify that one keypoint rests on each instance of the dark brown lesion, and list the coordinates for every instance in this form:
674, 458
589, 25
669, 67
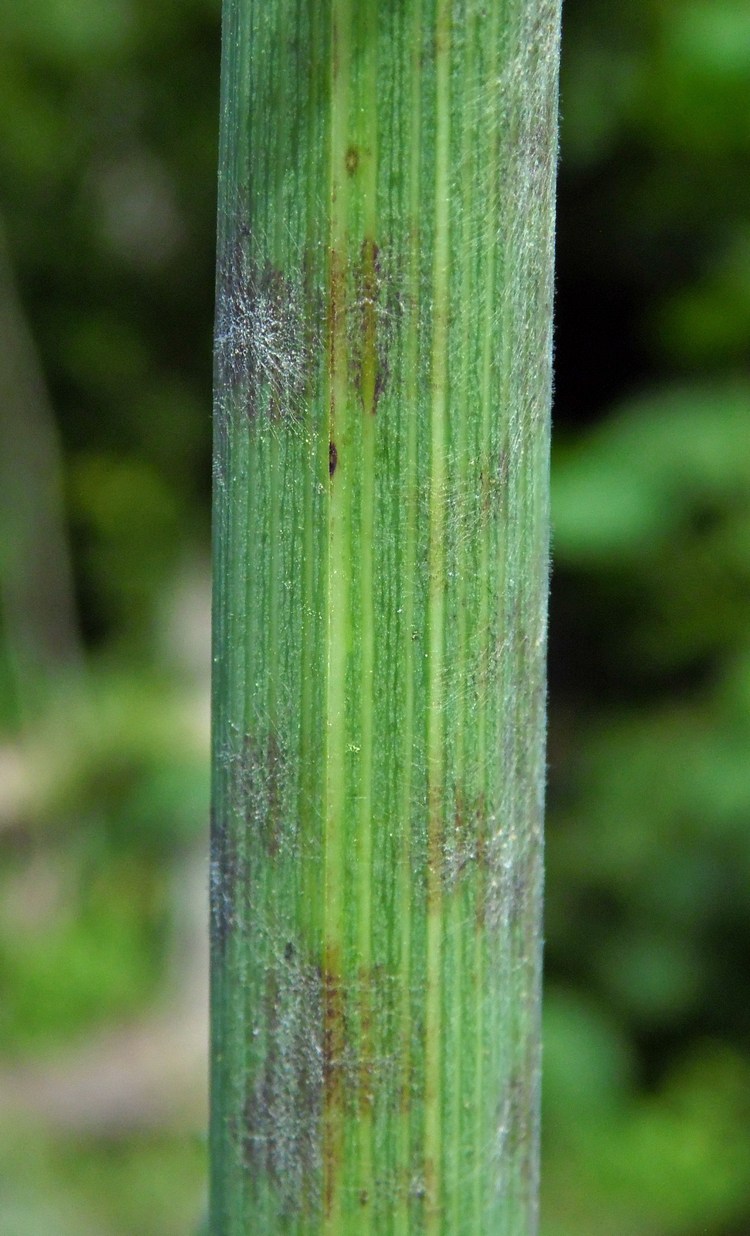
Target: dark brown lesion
335, 332
334, 1035
351, 160
333, 458
364, 314
367, 343
373, 321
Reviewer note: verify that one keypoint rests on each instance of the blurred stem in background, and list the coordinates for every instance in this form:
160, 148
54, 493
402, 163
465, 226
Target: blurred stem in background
381, 541
37, 606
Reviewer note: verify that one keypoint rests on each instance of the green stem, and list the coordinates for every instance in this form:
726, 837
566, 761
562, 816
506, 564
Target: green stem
382, 401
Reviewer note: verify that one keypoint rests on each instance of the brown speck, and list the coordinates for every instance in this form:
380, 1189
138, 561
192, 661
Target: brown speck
333, 458
351, 160
364, 1197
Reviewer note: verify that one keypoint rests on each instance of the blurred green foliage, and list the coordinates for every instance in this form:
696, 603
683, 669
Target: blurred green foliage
648, 909
108, 123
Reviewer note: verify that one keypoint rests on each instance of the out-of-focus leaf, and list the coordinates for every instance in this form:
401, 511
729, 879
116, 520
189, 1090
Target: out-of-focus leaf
629, 485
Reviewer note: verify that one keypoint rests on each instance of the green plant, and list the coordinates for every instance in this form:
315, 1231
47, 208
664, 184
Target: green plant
381, 524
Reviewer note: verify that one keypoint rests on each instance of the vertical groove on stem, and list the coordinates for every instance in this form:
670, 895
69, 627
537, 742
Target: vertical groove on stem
410, 361
436, 628
338, 635
369, 811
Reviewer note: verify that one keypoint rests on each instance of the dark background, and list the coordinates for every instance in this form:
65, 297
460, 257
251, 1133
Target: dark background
108, 126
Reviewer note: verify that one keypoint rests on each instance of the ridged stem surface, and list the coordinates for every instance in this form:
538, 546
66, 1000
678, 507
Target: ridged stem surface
381, 540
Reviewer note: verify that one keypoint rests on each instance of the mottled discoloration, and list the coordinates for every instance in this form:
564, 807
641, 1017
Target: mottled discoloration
228, 875
260, 791
334, 1036
364, 312
464, 850
334, 1041
281, 1126
367, 1064
512, 882
266, 344
436, 851
516, 1126
373, 324
323, 1035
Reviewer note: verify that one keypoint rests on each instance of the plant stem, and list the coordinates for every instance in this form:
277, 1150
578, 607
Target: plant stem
381, 528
